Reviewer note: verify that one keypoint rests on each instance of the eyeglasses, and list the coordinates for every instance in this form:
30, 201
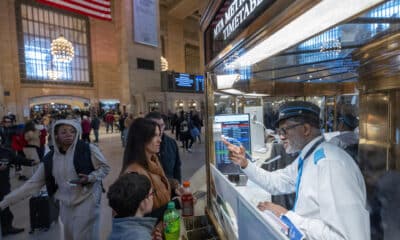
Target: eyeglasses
152, 193
283, 131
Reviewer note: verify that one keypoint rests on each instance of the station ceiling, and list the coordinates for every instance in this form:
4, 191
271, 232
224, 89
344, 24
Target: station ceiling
184, 8
327, 57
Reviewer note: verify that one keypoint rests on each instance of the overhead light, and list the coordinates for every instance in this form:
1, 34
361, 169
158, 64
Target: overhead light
256, 94
232, 91
305, 26
62, 50
227, 81
225, 97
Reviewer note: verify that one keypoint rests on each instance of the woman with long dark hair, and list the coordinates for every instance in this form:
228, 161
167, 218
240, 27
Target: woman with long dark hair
142, 146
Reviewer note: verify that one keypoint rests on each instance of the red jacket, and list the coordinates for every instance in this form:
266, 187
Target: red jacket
109, 118
85, 126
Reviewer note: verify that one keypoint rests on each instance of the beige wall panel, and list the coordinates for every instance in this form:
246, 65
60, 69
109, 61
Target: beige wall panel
8, 57
105, 43
175, 45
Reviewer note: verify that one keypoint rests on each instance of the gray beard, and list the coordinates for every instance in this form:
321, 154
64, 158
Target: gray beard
295, 146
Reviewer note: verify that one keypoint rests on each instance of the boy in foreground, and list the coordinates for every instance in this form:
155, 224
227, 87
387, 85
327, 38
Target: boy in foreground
131, 197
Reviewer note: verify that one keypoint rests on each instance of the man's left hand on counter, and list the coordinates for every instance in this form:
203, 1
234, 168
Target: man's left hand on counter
275, 208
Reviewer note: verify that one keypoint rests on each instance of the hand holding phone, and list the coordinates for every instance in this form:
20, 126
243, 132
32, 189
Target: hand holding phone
82, 180
74, 182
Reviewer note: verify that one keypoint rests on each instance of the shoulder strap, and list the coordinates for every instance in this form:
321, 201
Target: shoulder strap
48, 171
82, 158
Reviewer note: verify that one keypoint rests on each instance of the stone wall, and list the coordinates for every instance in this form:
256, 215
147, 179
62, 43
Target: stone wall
105, 46
114, 63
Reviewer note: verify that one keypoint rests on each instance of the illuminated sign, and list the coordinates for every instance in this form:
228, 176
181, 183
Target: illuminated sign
184, 80
199, 83
237, 13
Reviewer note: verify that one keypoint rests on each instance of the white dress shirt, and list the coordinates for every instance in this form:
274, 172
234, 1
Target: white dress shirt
331, 201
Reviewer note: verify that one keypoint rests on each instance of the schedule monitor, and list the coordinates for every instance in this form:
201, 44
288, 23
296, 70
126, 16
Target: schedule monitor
233, 126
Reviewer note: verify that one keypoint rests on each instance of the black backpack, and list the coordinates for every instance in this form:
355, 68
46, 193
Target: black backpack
82, 163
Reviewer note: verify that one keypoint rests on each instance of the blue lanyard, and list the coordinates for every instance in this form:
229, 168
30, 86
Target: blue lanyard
300, 168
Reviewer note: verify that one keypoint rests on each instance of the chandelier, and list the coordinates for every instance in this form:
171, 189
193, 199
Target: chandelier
164, 64
62, 50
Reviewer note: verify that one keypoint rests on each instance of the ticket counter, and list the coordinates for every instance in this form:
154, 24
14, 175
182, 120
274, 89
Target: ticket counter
343, 57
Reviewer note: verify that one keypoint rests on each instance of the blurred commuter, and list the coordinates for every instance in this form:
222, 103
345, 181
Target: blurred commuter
95, 125
85, 129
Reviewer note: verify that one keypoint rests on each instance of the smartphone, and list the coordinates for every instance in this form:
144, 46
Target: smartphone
74, 182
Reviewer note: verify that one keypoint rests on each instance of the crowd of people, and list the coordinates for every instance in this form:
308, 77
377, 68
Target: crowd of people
187, 128
150, 175
71, 169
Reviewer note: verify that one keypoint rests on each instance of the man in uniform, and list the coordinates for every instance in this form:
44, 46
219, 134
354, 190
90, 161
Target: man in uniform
330, 190
347, 139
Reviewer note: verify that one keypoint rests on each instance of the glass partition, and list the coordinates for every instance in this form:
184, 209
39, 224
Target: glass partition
325, 69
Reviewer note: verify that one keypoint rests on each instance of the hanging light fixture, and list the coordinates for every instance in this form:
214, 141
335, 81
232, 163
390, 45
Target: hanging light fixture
62, 50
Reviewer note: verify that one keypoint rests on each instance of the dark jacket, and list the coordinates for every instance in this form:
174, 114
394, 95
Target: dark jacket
9, 155
6, 134
169, 158
132, 228
95, 123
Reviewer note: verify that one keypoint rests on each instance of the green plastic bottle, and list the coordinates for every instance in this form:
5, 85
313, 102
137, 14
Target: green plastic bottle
172, 222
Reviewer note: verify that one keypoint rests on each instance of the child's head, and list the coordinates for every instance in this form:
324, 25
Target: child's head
131, 194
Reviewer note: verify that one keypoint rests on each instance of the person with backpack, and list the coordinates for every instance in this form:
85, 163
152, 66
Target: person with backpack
72, 173
185, 135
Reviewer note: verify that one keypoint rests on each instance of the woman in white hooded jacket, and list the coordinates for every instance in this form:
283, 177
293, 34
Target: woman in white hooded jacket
80, 203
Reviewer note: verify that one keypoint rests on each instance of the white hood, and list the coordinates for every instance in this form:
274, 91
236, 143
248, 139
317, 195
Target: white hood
71, 122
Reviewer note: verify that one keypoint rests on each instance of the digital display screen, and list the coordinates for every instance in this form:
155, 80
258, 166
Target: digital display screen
232, 126
184, 80
199, 83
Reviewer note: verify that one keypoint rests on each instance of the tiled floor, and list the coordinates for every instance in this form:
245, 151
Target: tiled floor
111, 147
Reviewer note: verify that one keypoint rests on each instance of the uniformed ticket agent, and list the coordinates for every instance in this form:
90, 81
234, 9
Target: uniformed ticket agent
330, 190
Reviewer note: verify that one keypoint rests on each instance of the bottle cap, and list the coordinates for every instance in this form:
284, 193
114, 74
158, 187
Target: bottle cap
171, 205
186, 184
